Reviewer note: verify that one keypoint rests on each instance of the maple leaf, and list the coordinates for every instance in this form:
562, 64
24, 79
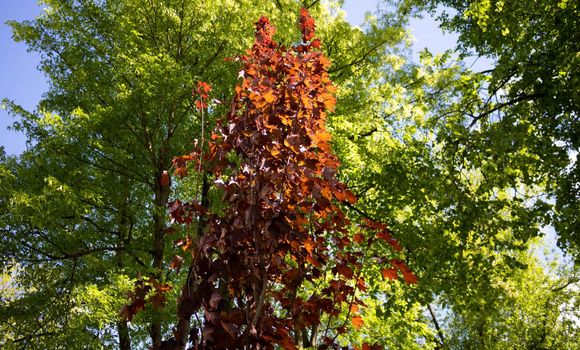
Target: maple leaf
385, 236
306, 25
293, 142
409, 276
359, 238
345, 271
309, 245
203, 87
361, 285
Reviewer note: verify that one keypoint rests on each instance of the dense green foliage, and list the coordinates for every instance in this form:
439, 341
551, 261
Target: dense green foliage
465, 166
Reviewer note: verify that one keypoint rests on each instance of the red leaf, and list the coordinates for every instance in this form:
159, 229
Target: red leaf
361, 285
164, 178
293, 142
385, 236
359, 238
345, 271
409, 276
203, 87
306, 25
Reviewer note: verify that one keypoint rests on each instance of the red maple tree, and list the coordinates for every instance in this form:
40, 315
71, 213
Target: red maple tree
282, 257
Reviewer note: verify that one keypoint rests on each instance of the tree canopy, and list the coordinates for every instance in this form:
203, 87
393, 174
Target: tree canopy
141, 187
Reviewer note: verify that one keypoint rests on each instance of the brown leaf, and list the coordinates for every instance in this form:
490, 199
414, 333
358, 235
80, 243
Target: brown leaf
215, 299
345, 271
293, 142
229, 328
176, 263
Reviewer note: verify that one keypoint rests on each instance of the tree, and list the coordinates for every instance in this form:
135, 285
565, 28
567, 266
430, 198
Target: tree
535, 309
466, 177
279, 259
530, 96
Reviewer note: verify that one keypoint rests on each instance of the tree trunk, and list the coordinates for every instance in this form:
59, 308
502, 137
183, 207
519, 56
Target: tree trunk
125, 224
124, 340
161, 199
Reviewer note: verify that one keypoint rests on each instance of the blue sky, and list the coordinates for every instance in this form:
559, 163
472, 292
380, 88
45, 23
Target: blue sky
21, 81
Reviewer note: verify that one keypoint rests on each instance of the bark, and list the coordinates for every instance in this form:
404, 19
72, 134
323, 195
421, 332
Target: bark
161, 199
124, 339
125, 230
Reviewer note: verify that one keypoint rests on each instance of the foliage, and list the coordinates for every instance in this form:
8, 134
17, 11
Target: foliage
85, 206
531, 95
465, 166
533, 310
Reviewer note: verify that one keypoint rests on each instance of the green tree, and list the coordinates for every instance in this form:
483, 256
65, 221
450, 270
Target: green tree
536, 308
531, 95
465, 165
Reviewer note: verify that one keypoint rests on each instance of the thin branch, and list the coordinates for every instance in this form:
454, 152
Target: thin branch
437, 327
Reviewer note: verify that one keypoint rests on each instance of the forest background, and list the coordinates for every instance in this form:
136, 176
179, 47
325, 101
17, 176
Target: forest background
470, 165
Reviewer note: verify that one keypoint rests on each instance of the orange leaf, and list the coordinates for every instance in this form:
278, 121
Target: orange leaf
329, 102
409, 276
359, 238
309, 245
326, 192
390, 274
357, 321
350, 197
354, 308
275, 152
269, 97
321, 136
